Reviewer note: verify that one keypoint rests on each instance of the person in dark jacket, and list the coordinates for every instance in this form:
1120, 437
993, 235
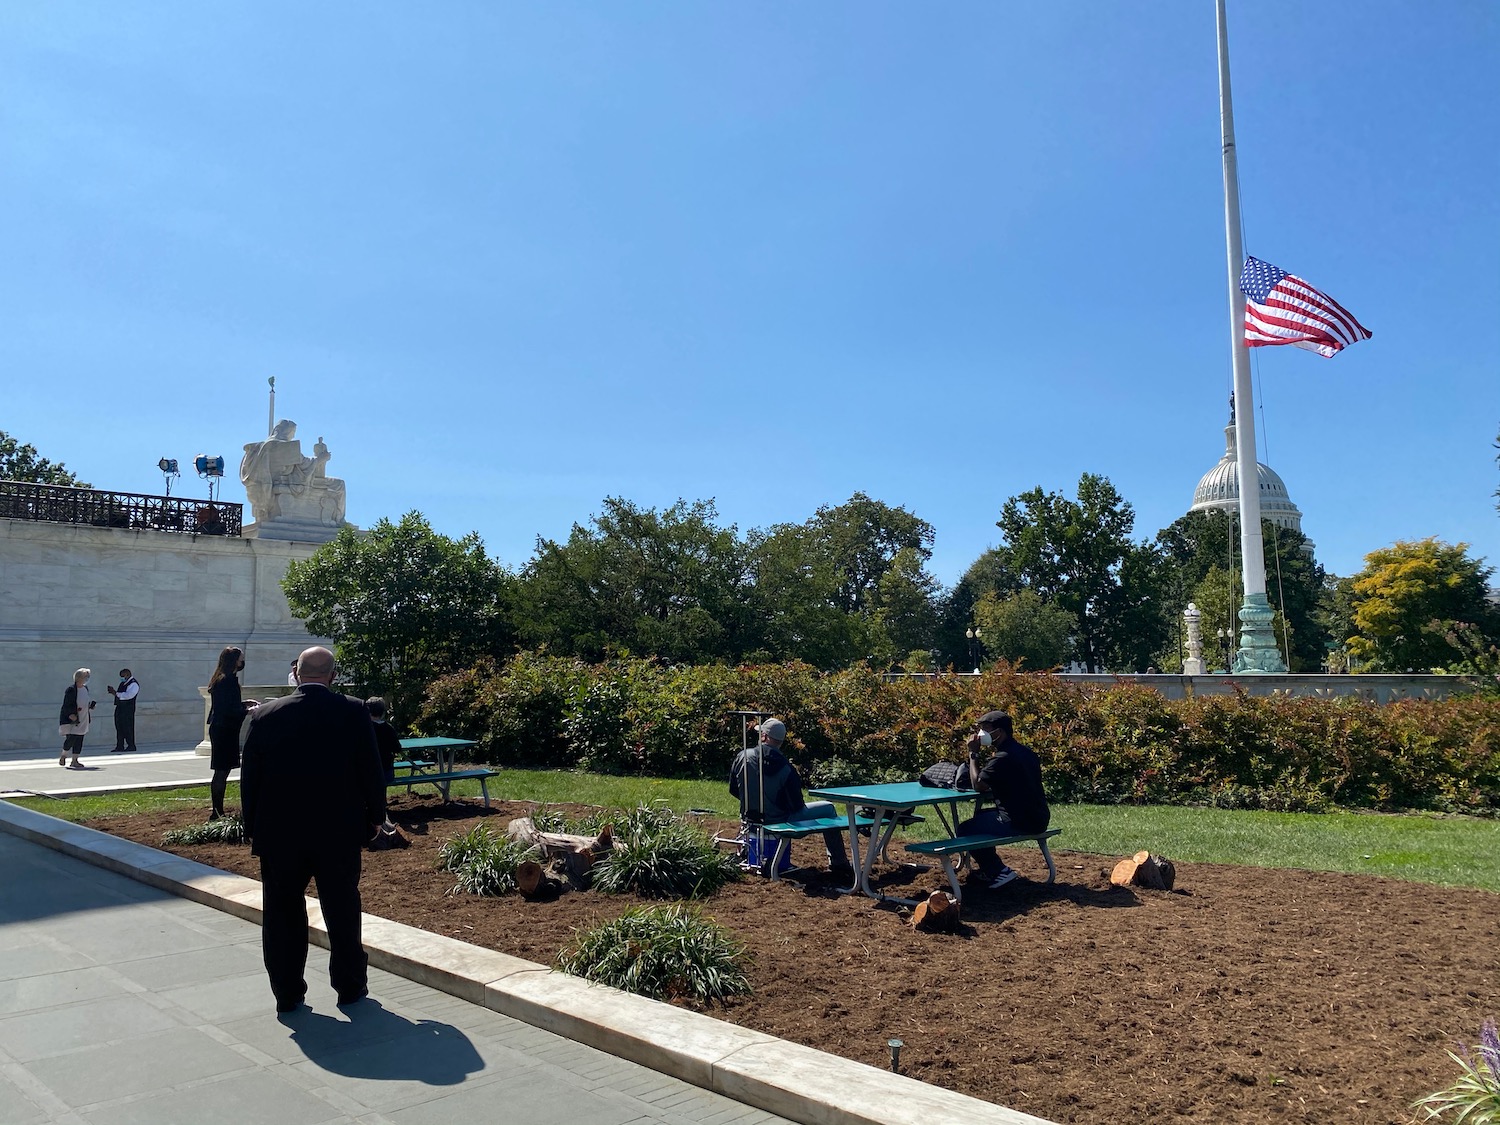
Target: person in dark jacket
770, 792
313, 794
125, 697
226, 714
1012, 775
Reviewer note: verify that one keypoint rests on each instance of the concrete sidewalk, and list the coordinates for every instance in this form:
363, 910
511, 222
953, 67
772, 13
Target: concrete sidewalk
123, 1005
103, 773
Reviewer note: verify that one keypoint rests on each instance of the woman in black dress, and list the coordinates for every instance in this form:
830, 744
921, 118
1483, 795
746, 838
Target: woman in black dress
226, 714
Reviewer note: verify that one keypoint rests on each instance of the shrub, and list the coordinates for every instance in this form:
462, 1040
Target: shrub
664, 952
1475, 1097
483, 862
1121, 743
656, 855
223, 830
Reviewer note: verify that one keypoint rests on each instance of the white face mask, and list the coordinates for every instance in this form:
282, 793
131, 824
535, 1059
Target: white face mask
984, 738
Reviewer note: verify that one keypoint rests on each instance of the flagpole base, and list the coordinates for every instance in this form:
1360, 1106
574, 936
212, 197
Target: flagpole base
1258, 650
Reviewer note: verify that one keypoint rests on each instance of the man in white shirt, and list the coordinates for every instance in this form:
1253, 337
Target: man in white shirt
291, 677
125, 696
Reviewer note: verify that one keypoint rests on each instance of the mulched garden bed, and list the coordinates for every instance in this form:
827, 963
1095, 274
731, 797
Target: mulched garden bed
1245, 995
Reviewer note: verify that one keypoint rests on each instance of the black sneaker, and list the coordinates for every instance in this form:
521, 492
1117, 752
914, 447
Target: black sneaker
1005, 876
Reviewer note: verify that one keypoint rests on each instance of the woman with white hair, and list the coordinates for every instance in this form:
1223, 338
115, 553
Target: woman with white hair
73, 719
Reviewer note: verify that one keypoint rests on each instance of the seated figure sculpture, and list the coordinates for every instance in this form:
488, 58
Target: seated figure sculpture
284, 486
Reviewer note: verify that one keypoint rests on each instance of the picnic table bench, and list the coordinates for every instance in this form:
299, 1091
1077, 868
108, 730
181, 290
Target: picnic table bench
790, 830
945, 850
443, 771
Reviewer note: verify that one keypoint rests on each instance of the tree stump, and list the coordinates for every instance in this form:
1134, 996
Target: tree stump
936, 912
534, 883
1145, 870
575, 854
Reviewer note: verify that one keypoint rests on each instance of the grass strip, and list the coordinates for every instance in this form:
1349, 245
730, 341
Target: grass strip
1455, 851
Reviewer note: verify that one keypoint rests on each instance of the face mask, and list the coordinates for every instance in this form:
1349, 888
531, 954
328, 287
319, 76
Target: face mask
984, 738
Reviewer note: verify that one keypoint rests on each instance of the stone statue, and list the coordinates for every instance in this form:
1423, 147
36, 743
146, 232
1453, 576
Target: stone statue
284, 487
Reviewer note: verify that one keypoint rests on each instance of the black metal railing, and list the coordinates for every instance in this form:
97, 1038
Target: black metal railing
51, 503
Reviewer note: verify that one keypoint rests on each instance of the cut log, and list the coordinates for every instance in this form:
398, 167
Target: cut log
575, 854
1144, 870
529, 875
936, 912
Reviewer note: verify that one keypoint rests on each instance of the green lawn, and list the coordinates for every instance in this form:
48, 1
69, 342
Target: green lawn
1447, 850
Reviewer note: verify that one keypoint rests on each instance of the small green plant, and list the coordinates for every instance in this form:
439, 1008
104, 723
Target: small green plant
482, 862
655, 854
223, 830
1475, 1098
664, 952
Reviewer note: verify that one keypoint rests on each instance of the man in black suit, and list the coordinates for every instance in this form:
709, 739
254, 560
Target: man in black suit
313, 794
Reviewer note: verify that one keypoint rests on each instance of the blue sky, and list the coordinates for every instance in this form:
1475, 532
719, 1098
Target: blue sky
511, 258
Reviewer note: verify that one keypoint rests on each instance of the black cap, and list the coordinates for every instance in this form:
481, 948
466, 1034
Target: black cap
993, 719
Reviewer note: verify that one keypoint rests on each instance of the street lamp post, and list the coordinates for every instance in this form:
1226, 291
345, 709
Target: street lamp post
1226, 638
975, 645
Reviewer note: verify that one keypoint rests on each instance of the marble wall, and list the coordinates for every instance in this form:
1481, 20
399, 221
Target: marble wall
160, 604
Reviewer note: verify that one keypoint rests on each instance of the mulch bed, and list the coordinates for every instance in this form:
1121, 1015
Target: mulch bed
1244, 995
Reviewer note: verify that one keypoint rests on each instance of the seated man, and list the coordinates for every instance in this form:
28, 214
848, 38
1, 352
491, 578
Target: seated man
770, 791
1013, 777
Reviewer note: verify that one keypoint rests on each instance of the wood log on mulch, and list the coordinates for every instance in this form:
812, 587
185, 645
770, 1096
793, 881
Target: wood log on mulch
1145, 870
574, 854
937, 912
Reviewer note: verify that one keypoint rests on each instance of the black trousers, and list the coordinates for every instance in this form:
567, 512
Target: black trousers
125, 725
284, 878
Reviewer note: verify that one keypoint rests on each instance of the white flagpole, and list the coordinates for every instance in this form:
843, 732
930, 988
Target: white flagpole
1257, 648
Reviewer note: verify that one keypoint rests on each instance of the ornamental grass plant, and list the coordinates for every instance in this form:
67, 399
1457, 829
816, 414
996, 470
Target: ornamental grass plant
482, 862
221, 830
1475, 1098
664, 952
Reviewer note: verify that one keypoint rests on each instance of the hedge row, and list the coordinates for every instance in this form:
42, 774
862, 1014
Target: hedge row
1105, 745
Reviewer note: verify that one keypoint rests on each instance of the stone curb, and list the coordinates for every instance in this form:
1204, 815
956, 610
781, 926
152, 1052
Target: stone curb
772, 1074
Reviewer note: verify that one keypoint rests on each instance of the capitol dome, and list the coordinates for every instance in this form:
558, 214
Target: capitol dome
1219, 490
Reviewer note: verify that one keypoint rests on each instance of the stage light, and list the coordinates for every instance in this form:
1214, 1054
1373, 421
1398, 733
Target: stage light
168, 467
210, 469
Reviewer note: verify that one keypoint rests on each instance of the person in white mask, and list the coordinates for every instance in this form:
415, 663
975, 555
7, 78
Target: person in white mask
1012, 775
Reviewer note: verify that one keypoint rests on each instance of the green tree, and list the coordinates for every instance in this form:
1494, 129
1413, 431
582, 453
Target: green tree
1202, 541
1070, 552
863, 538
1142, 627
403, 604
988, 574
669, 583
1025, 630
21, 462
798, 606
1410, 596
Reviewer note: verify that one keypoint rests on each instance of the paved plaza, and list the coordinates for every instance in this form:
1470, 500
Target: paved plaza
33, 771
124, 1005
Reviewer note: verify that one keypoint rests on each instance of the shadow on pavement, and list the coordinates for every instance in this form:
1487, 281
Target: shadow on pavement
376, 1043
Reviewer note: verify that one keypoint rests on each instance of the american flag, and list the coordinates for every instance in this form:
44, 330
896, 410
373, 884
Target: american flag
1283, 309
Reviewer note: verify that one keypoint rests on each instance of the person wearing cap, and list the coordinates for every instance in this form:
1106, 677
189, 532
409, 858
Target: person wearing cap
1013, 777
770, 792
125, 696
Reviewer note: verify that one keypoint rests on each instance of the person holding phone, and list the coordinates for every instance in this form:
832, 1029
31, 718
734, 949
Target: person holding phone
1012, 775
73, 719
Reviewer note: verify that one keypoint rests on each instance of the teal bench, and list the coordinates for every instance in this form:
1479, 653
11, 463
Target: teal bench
945, 850
413, 766
790, 830
444, 780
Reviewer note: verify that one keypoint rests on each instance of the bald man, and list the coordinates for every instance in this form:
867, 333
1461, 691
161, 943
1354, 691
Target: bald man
313, 793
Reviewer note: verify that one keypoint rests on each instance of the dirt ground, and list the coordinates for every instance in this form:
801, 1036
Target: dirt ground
1244, 995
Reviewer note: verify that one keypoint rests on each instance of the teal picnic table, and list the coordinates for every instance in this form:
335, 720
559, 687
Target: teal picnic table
444, 752
886, 804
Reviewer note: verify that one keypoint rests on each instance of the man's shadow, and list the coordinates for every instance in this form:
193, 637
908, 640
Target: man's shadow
376, 1043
